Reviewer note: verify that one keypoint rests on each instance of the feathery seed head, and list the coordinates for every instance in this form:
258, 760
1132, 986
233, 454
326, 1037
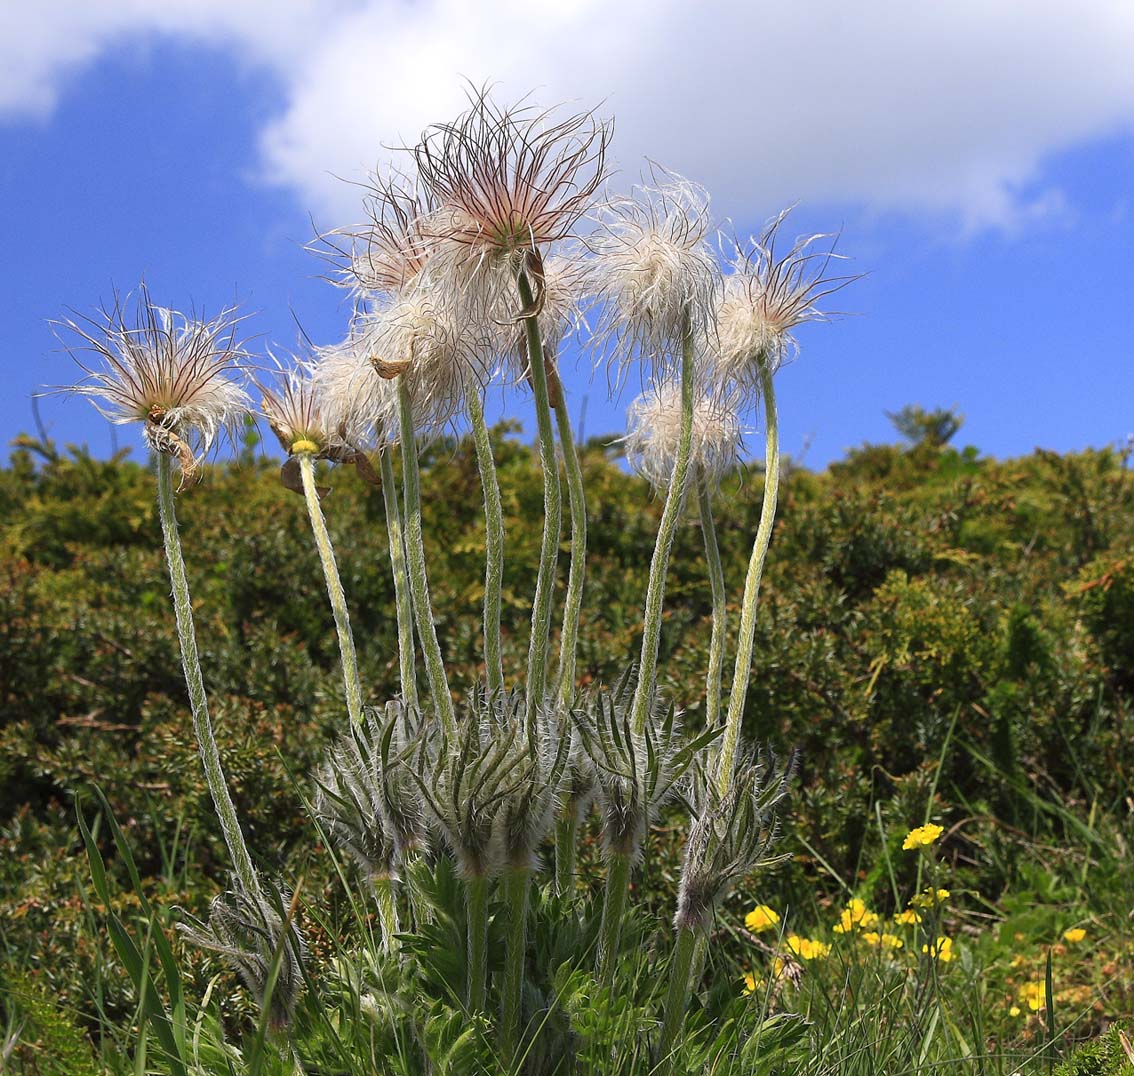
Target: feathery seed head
386, 256
654, 433
249, 930
766, 296
301, 418
654, 271
171, 372
509, 181
732, 835
440, 355
348, 385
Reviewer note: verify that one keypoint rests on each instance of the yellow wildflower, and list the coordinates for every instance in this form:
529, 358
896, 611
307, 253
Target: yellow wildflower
1074, 935
761, 918
1034, 995
855, 914
806, 948
1014, 1011
942, 949
922, 837
908, 918
930, 897
751, 983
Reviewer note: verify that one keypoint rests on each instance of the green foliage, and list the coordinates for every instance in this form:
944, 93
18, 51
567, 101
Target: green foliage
908, 592
1109, 1055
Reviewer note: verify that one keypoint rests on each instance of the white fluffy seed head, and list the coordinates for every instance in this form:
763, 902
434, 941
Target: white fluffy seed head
654, 433
350, 388
440, 355
172, 372
300, 414
766, 296
654, 272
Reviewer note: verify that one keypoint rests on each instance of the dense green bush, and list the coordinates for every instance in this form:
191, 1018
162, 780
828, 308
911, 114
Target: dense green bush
921, 604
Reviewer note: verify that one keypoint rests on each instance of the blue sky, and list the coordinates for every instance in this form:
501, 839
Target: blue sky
992, 212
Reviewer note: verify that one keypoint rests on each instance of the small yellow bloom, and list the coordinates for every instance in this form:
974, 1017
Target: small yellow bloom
1014, 1011
1034, 995
856, 915
806, 948
942, 949
1074, 935
892, 941
762, 918
922, 837
929, 898
908, 918
751, 983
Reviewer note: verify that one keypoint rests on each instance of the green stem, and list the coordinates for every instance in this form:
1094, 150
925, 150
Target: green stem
677, 997
334, 589
574, 602
386, 894
667, 529
198, 703
493, 545
516, 882
419, 581
476, 913
717, 588
403, 603
552, 512
613, 908
743, 667
566, 833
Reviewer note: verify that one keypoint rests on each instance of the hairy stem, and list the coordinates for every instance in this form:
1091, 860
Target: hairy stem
347, 654
198, 703
419, 581
717, 588
386, 895
516, 882
552, 511
577, 499
613, 908
403, 603
667, 529
493, 545
743, 667
677, 997
566, 833
476, 913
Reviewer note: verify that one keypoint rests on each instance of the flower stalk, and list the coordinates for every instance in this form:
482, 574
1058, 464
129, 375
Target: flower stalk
613, 909
403, 603
493, 544
677, 997
667, 529
198, 702
415, 556
577, 500
334, 583
515, 884
717, 589
727, 760
476, 914
552, 506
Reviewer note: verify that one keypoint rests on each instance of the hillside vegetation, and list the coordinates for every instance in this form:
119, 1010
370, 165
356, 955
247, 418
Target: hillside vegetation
940, 635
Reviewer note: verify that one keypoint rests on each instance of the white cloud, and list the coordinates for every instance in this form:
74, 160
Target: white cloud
946, 108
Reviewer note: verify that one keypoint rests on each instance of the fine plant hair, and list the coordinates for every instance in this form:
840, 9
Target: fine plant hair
484, 248
256, 934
